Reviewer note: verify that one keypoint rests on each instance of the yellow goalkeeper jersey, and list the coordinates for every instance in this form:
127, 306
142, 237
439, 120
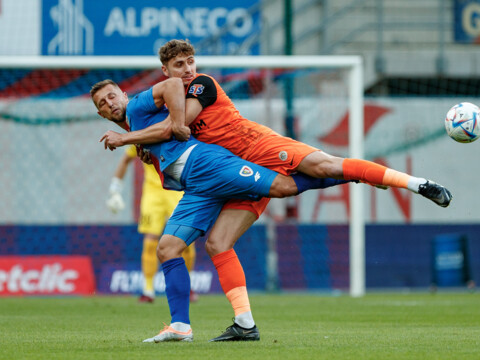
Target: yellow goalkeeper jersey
150, 174
151, 180
157, 204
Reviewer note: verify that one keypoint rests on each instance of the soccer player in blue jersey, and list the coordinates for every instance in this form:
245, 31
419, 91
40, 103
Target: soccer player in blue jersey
208, 174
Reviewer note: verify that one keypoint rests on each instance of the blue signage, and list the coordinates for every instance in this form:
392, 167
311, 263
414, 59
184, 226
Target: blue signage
141, 27
467, 21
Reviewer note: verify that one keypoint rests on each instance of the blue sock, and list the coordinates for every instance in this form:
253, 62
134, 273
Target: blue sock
306, 182
177, 287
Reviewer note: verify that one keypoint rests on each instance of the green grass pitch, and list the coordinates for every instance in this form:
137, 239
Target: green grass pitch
292, 326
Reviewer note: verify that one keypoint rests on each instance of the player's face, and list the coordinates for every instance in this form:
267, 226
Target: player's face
182, 66
111, 103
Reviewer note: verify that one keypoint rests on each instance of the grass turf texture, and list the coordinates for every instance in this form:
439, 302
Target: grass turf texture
377, 326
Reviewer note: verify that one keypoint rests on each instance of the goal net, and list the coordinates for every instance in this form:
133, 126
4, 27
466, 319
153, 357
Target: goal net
56, 172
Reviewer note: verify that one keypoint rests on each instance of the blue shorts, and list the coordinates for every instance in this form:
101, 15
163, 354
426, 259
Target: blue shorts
213, 171
213, 175
196, 213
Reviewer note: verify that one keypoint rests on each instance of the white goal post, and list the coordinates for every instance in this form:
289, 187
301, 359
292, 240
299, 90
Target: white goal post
352, 64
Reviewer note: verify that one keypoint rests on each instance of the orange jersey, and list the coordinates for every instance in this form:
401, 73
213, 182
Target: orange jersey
221, 123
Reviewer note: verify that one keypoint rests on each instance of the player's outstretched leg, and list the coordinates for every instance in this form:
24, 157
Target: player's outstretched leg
376, 174
237, 333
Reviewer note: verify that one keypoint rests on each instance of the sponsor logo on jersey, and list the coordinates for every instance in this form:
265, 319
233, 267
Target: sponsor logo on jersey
196, 89
283, 155
246, 171
198, 126
257, 176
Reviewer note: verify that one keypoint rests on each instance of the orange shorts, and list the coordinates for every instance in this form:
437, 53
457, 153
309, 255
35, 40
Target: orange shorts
278, 153
256, 207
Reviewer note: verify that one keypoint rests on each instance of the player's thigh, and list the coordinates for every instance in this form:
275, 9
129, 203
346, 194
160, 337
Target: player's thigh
280, 153
231, 224
197, 212
321, 164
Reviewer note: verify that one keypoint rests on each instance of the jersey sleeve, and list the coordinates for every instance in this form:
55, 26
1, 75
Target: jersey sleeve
204, 90
142, 103
131, 151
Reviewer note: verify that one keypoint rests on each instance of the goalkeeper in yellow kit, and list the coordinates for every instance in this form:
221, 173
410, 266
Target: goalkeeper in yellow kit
156, 206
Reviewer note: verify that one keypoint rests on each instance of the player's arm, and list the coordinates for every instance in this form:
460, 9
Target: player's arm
201, 93
122, 166
193, 108
172, 92
115, 200
159, 132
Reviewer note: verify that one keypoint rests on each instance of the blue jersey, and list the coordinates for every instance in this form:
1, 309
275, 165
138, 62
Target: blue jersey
141, 113
209, 176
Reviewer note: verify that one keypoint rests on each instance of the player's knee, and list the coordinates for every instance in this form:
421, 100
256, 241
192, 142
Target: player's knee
283, 186
321, 165
169, 247
214, 247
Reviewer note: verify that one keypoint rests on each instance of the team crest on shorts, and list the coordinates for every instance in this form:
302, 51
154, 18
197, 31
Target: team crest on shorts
283, 155
246, 171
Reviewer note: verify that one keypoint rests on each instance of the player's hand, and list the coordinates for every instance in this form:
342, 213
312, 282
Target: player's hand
115, 202
181, 132
145, 157
112, 140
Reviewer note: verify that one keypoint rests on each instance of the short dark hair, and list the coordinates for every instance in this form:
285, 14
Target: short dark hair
100, 85
174, 48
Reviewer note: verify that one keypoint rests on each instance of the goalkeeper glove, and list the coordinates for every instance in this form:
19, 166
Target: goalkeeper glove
115, 202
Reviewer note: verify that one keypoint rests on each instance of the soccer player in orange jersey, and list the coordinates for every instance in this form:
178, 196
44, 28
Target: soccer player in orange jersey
213, 118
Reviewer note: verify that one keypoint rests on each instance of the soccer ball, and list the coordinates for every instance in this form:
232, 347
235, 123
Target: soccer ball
462, 124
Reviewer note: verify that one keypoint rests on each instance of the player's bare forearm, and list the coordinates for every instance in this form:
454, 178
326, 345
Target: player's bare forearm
155, 133
192, 109
172, 92
122, 166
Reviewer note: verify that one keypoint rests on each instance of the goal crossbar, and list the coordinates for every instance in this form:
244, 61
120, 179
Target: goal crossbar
152, 62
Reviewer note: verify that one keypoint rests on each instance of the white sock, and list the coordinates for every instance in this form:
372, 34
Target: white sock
245, 320
150, 293
179, 326
414, 183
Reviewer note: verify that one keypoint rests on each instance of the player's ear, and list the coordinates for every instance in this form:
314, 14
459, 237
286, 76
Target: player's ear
165, 71
99, 113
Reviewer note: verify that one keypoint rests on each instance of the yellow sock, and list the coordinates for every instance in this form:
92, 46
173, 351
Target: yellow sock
189, 255
149, 263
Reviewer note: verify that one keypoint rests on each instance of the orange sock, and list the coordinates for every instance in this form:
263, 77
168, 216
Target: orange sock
374, 174
232, 279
